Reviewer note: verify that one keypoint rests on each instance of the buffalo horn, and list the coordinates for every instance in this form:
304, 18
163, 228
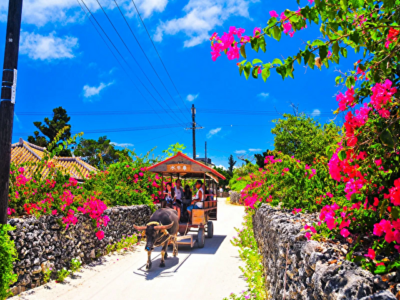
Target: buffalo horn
140, 228
163, 226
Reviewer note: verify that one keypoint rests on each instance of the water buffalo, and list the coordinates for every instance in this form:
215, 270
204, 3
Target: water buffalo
161, 230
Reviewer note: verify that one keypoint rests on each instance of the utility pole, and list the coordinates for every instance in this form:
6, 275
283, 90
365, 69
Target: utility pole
206, 153
194, 128
8, 90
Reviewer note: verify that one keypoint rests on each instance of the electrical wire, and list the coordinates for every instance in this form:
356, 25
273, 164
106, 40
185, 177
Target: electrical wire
143, 112
140, 128
116, 49
159, 56
113, 54
144, 53
137, 63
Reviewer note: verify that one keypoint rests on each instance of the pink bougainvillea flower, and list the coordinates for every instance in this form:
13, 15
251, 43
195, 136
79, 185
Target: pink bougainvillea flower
256, 31
214, 36
287, 27
308, 235
378, 162
371, 254
100, 234
344, 232
273, 14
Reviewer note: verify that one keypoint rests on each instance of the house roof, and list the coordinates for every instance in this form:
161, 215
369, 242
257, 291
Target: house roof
197, 168
23, 152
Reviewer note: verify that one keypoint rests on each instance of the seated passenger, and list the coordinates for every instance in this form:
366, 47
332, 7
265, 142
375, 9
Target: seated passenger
169, 195
178, 197
197, 201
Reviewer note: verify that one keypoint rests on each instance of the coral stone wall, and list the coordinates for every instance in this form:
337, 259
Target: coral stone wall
304, 269
42, 243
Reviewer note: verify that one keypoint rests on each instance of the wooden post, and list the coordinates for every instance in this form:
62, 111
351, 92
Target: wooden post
8, 89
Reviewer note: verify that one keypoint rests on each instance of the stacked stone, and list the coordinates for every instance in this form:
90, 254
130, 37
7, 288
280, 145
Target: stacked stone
44, 243
296, 268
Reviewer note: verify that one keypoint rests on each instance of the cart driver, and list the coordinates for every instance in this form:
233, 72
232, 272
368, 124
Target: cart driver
197, 201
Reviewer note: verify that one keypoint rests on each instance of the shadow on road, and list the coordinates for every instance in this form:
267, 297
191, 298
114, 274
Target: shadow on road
173, 264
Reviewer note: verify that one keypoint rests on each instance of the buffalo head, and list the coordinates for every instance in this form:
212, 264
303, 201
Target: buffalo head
154, 231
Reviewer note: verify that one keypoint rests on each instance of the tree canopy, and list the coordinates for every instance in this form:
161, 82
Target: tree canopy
50, 128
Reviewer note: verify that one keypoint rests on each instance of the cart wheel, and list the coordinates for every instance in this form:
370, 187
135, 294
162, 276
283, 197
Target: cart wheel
210, 229
200, 238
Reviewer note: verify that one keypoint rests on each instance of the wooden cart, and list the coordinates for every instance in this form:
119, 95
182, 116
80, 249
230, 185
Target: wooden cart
183, 167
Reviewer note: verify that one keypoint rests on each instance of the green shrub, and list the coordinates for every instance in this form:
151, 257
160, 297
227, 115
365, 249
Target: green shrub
75, 265
62, 274
8, 254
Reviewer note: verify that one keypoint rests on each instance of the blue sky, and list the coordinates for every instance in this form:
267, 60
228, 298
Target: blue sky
64, 62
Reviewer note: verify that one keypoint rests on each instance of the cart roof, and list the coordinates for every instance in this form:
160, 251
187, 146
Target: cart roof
182, 165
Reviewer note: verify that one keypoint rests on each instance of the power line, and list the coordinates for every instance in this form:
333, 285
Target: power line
140, 128
130, 52
116, 49
162, 62
144, 53
134, 84
143, 112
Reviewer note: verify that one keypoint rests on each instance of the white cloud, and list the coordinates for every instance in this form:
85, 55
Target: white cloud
41, 12
240, 151
90, 91
255, 150
316, 113
147, 7
123, 145
191, 97
222, 167
201, 17
263, 95
49, 47
213, 132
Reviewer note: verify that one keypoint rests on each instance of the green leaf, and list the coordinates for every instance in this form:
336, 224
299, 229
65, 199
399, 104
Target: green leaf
277, 61
254, 44
335, 48
387, 139
282, 71
243, 51
277, 33
265, 74
350, 82
323, 52
342, 155
318, 43
395, 212
311, 60
254, 72
344, 4
256, 61
241, 70
262, 44
247, 70
380, 270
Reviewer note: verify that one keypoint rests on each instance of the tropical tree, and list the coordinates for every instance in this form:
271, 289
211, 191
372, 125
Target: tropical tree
50, 128
303, 137
98, 153
174, 149
231, 163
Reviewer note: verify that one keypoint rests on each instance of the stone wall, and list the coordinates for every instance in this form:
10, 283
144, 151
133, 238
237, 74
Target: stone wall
309, 269
43, 243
